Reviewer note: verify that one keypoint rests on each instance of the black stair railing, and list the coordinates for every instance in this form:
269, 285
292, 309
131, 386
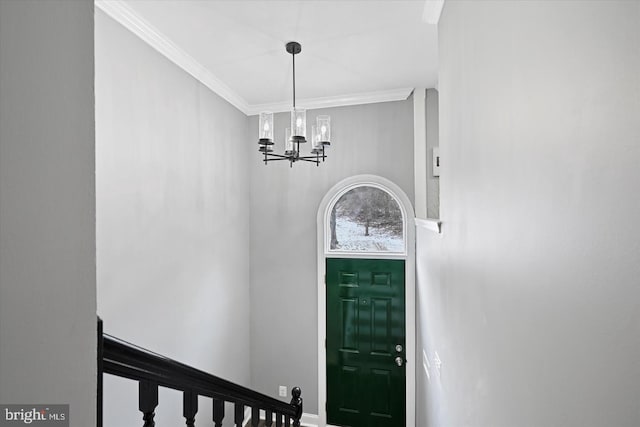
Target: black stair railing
151, 370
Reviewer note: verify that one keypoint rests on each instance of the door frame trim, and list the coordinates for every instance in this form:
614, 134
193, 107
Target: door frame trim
408, 215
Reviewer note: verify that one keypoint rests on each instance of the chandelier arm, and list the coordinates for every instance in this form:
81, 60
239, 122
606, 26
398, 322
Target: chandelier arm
278, 157
273, 160
311, 159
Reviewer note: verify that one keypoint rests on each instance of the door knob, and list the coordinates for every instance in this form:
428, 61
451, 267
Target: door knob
399, 361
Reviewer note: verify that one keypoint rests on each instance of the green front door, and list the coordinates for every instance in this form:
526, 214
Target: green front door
365, 342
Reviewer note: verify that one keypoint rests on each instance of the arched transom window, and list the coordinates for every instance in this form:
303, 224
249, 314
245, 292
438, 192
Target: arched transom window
368, 219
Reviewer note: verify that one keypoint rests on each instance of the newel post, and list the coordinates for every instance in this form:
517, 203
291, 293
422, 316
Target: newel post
296, 401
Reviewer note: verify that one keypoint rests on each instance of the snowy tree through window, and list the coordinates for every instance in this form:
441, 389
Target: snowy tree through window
366, 219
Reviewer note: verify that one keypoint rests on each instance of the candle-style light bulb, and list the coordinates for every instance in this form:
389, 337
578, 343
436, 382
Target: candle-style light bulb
324, 128
316, 145
265, 128
298, 125
288, 142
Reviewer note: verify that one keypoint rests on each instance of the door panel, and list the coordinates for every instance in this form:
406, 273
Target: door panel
365, 322
381, 326
349, 328
350, 389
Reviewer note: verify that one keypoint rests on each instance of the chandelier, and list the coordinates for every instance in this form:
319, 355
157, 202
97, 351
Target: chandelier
296, 134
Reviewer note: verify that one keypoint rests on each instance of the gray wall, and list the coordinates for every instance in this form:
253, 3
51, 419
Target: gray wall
531, 295
433, 140
367, 139
173, 219
47, 206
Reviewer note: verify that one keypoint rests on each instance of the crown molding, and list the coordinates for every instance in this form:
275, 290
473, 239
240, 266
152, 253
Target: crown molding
132, 21
335, 101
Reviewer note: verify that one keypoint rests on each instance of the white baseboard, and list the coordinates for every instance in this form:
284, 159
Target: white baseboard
309, 420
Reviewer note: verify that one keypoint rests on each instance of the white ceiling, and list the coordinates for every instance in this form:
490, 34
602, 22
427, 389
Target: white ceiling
348, 46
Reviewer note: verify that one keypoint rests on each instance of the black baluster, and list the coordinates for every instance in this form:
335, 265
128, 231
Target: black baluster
255, 416
190, 407
296, 400
278, 420
268, 418
147, 401
239, 414
218, 412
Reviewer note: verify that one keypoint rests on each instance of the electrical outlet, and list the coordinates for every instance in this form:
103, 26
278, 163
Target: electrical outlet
282, 391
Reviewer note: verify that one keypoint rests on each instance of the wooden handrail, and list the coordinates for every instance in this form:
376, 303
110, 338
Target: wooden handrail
152, 370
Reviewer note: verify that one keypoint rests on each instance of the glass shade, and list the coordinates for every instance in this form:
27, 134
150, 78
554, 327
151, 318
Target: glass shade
265, 129
316, 143
299, 125
323, 124
288, 142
